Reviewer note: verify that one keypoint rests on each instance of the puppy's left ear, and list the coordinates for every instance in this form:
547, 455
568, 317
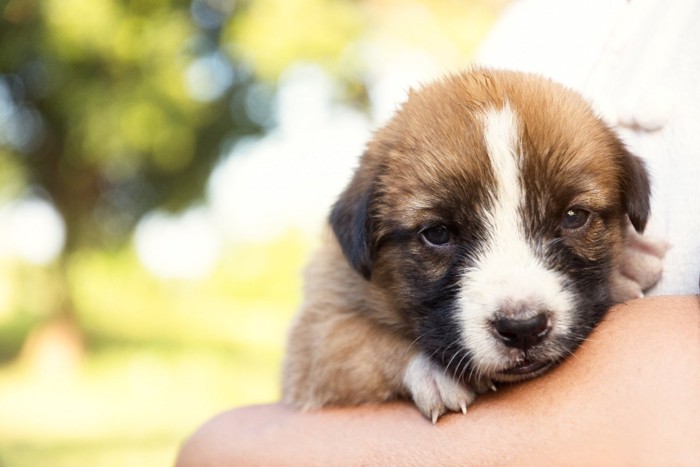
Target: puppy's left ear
636, 190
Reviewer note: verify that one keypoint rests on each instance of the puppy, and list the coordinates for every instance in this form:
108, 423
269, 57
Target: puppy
478, 242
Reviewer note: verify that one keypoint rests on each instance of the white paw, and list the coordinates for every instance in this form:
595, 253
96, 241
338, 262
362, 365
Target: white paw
640, 266
433, 392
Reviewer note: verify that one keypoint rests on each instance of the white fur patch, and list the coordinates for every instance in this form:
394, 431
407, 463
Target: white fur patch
507, 272
433, 391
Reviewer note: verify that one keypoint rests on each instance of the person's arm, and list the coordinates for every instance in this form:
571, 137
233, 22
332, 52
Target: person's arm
630, 394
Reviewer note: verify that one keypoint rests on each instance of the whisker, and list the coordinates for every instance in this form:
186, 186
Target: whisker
415, 341
459, 350
460, 364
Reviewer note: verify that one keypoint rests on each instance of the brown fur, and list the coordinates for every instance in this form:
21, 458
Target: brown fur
355, 333
333, 351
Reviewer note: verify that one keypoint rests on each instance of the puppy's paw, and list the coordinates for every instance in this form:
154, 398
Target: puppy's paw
640, 266
433, 392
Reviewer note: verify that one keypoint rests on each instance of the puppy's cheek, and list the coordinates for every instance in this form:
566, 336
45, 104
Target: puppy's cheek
411, 275
598, 243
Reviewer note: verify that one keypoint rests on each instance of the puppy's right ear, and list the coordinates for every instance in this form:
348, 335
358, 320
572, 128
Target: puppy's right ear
636, 190
351, 221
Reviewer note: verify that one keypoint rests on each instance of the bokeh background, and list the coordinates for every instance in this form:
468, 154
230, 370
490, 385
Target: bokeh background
165, 170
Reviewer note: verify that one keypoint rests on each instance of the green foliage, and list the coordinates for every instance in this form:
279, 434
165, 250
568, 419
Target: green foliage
272, 34
13, 331
241, 303
12, 175
26, 296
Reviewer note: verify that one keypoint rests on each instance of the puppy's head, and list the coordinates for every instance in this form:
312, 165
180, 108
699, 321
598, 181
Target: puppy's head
488, 214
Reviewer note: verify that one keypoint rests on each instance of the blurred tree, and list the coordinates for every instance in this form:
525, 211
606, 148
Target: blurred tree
110, 108
114, 107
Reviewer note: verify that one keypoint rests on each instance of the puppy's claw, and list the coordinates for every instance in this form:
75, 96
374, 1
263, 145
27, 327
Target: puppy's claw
482, 386
433, 392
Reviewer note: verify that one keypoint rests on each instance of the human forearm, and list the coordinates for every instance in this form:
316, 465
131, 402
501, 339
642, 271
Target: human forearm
631, 394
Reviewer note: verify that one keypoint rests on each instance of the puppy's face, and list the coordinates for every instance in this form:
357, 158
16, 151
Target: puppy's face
487, 215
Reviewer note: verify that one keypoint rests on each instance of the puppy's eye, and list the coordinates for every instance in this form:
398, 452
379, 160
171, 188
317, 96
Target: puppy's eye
438, 235
574, 218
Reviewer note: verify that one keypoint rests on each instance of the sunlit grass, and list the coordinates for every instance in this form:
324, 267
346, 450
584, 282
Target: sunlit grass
160, 357
105, 453
126, 398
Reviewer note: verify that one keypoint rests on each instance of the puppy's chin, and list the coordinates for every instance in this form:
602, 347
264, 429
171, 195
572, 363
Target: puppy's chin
510, 365
523, 370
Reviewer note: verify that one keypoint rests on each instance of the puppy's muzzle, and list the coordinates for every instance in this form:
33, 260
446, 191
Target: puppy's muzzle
522, 333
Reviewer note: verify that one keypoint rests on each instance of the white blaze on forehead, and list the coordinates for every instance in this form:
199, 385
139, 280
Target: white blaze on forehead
507, 272
501, 139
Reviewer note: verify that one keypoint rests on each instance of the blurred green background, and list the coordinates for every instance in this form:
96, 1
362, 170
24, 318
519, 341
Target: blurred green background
165, 167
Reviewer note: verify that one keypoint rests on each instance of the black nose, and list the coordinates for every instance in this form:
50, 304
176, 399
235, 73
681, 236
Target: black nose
522, 333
